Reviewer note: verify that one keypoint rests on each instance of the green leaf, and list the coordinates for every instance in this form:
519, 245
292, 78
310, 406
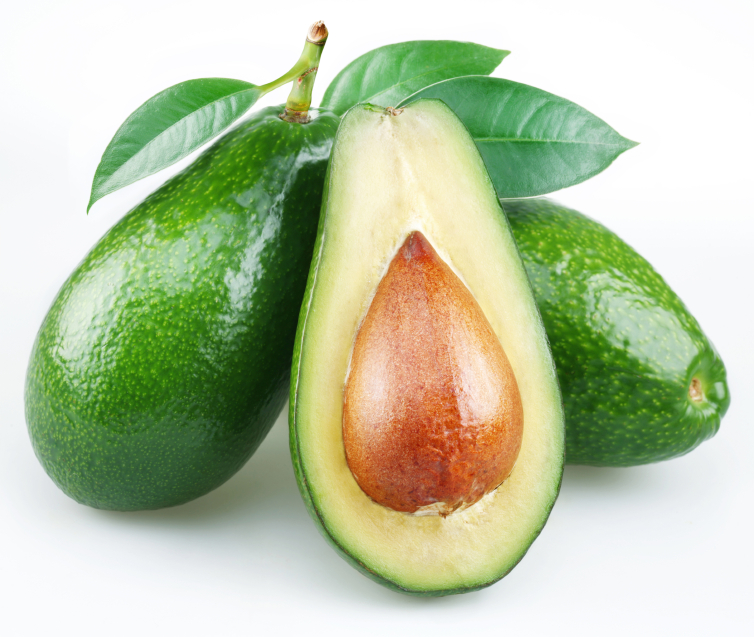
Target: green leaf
532, 142
167, 127
391, 73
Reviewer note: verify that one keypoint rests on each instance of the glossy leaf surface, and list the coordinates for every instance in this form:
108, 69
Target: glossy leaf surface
533, 142
391, 73
169, 126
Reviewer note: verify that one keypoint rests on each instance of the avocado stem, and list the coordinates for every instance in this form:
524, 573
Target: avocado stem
302, 75
695, 390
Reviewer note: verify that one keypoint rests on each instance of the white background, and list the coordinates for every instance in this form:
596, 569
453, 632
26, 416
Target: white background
655, 550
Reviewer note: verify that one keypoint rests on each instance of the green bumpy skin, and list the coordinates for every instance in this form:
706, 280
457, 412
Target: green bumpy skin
626, 348
165, 358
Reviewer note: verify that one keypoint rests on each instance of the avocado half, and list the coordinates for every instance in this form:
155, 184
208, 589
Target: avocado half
393, 172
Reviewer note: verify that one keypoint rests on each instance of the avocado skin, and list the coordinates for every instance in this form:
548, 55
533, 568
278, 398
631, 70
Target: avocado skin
625, 346
165, 358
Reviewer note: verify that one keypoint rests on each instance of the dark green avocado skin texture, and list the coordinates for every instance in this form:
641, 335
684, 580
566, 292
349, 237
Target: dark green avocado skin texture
625, 346
165, 358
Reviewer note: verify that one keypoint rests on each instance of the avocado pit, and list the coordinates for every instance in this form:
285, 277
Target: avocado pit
432, 415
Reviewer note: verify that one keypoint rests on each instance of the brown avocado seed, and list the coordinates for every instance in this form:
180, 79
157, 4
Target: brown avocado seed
432, 415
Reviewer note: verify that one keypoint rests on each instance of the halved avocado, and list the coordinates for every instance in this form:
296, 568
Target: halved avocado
392, 173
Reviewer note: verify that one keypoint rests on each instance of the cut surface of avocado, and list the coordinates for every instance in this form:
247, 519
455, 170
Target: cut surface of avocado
393, 173
432, 415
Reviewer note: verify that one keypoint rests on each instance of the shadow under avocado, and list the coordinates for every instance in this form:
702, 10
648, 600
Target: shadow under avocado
612, 480
264, 487
265, 490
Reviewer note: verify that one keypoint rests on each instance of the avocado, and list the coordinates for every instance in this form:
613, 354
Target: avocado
407, 354
640, 380
164, 359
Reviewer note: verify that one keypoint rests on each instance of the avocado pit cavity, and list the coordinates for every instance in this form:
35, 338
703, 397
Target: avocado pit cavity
432, 415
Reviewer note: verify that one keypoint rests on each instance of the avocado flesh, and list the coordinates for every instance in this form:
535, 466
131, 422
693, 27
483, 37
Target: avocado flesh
390, 175
640, 380
165, 358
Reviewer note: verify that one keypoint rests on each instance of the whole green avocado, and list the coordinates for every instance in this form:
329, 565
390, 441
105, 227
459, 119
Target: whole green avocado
640, 380
165, 357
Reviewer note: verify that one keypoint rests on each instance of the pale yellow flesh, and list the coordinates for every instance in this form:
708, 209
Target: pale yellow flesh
390, 175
